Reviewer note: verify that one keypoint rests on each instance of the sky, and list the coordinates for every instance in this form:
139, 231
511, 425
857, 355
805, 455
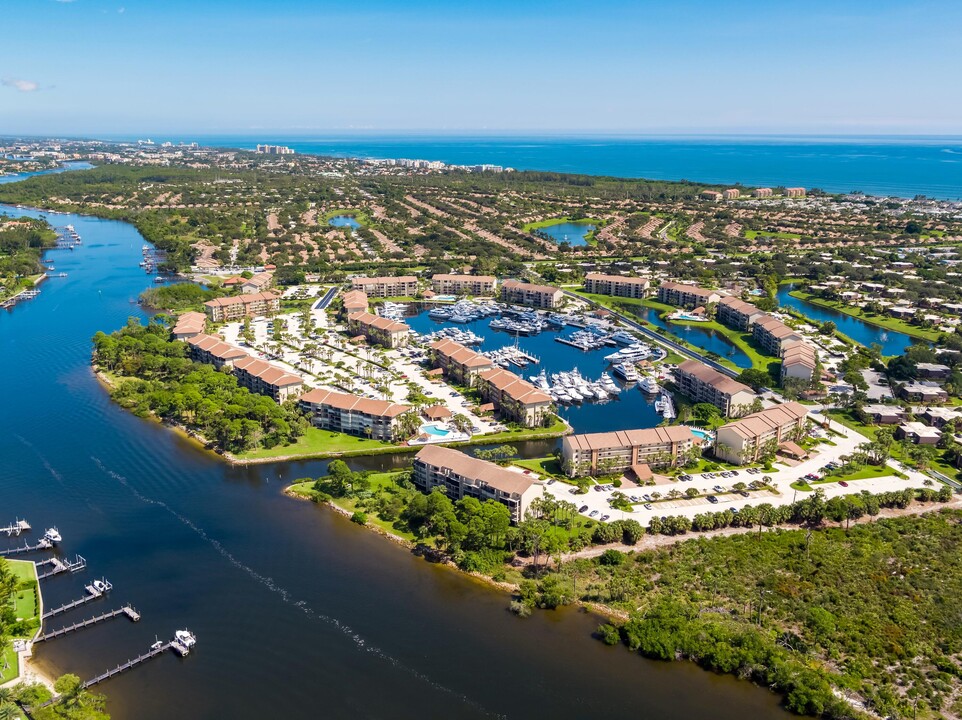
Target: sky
842, 67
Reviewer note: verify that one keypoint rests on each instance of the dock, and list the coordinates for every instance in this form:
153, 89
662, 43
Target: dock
92, 594
43, 544
15, 528
59, 566
177, 647
127, 610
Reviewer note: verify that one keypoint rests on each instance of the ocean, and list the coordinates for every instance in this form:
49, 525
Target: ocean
896, 166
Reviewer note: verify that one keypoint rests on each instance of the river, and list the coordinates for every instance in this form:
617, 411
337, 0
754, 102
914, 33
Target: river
299, 613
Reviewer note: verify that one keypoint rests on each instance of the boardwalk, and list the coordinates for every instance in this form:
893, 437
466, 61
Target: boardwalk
126, 610
59, 566
15, 528
43, 544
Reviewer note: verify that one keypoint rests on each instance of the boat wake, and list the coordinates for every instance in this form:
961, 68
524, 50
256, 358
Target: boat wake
286, 596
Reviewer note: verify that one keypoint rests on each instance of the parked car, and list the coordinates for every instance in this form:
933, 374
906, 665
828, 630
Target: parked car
604, 518
647, 506
582, 508
843, 483
593, 513
712, 499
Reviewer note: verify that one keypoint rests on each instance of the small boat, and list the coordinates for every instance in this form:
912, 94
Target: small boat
626, 372
100, 586
52, 535
158, 279
157, 644
185, 638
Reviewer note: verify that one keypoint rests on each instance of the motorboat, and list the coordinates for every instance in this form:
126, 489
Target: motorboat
649, 385
157, 644
52, 535
626, 372
185, 638
623, 338
100, 586
633, 353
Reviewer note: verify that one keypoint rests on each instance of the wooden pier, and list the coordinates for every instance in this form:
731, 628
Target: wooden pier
15, 528
59, 566
130, 664
43, 544
125, 610
92, 594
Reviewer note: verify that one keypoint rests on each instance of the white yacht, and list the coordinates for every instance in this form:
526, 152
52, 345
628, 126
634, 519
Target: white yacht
185, 638
649, 385
626, 372
633, 353
624, 338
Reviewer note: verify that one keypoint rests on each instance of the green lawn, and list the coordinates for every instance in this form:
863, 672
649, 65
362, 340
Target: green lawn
26, 607
557, 428
543, 466
865, 473
752, 234
319, 443
889, 323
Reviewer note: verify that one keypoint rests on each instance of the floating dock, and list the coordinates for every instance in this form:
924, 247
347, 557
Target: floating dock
15, 528
92, 594
125, 610
59, 566
43, 544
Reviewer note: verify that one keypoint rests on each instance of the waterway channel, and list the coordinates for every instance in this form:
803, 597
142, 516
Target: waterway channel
892, 341
299, 613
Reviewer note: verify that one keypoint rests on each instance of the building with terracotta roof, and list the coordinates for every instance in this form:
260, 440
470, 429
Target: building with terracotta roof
704, 384
515, 399
617, 285
225, 309
401, 286
687, 296
772, 334
748, 439
712, 195
461, 476
354, 415
731, 193
211, 350
610, 452
736, 313
798, 361
762, 193
379, 330
459, 364
189, 324
354, 301
795, 192
257, 283
447, 284
263, 378
539, 296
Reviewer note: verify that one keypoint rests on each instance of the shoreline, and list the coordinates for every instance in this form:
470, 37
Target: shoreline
849, 311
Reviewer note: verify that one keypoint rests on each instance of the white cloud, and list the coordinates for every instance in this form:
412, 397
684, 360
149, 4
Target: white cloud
21, 85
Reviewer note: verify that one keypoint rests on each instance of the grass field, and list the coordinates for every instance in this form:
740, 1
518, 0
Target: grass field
26, 605
318, 443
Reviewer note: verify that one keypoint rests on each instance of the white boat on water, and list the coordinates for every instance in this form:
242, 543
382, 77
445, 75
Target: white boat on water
649, 385
626, 372
609, 384
52, 535
185, 638
623, 338
633, 353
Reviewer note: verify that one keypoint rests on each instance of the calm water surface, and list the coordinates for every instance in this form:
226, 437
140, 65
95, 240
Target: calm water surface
299, 613
571, 233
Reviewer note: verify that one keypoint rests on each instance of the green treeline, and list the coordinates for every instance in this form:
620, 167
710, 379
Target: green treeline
22, 242
872, 610
155, 376
179, 296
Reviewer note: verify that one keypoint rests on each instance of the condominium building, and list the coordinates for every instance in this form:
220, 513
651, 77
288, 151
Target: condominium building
539, 296
712, 195
459, 363
461, 476
704, 384
923, 391
617, 285
516, 399
212, 350
379, 330
446, 284
687, 296
611, 452
189, 324
264, 378
225, 309
798, 361
918, 433
354, 415
401, 286
354, 301
257, 283
748, 439
762, 193
795, 192
773, 335
736, 313
731, 193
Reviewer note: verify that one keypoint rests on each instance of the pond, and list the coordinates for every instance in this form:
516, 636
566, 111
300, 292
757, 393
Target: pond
344, 221
701, 337
573, 233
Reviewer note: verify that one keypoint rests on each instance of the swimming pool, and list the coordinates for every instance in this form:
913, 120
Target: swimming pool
436, 430
699, 433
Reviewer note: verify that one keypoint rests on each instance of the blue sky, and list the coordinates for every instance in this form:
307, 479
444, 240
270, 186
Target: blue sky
679, 66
